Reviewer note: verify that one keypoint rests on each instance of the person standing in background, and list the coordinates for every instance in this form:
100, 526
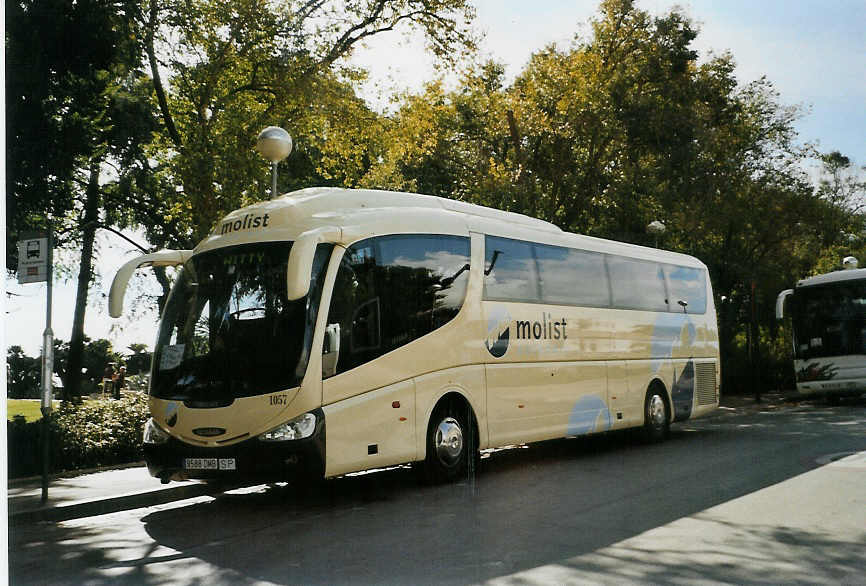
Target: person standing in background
108, 379
119, 381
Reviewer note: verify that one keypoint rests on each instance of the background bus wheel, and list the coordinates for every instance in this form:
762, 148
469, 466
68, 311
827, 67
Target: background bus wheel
657, 419
447, 443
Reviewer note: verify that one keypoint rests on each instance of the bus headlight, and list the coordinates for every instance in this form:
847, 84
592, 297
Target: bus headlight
298, 428
153, 434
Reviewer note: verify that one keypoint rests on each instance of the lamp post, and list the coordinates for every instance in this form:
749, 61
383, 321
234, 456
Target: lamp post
274, 144
656, 228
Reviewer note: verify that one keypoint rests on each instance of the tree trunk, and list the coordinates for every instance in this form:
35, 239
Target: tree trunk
72, 385
165, 283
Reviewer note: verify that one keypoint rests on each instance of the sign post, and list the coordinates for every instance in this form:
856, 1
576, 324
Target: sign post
35, 264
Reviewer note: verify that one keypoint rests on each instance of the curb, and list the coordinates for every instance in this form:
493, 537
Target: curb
22, 480
110, 504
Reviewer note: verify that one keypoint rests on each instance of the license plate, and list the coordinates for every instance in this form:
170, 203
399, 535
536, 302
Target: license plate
209, 464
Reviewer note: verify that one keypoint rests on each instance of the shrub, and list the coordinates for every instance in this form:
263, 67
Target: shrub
82, 435
771, 367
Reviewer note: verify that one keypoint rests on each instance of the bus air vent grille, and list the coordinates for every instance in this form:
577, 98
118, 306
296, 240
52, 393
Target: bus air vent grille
705, 383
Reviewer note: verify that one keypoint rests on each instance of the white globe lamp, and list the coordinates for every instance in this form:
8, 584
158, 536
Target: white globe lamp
274, 144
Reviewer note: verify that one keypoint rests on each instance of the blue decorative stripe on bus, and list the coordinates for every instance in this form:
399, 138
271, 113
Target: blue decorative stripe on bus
590, 414
667, 335
683, 393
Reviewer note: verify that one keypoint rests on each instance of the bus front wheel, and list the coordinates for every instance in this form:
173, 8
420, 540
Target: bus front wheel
657, 420
447, 443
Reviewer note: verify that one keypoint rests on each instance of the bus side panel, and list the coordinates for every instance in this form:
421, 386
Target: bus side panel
831, 374
668, 347
641, 373
537, 401
468, 381
455, 343
371, 430
619, 397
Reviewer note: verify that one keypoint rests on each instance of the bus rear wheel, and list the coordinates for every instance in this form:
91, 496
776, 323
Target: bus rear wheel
657, 420
448, 438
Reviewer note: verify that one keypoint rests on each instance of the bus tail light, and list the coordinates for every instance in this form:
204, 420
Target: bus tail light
298, 428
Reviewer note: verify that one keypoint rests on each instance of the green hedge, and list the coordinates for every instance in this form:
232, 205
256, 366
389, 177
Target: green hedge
82, 435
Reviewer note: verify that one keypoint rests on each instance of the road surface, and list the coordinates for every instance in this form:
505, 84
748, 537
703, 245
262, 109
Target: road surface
775, 496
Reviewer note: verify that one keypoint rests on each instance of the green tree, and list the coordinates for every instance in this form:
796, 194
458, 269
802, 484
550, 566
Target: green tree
76, 106
626, 127
842, 186
23, 374
139, 361
235, 67
54, 50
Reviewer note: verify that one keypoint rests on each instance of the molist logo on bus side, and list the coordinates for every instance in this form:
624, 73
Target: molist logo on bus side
546, 329
245, 223
499, 324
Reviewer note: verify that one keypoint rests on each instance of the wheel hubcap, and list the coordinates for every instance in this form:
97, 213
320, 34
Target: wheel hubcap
449, 441
656, 411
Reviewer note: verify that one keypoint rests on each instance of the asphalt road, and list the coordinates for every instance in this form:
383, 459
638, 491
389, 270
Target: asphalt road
529, 508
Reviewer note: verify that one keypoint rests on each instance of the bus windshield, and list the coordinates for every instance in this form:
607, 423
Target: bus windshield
830, 320
228, 330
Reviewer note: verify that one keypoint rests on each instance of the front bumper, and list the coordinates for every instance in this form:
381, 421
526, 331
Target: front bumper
252, 459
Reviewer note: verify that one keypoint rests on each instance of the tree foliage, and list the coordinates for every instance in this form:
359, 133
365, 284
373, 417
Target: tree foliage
234, 67
627, 127
23, 372
61, 72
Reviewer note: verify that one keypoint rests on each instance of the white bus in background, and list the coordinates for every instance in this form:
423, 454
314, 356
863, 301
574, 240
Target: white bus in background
338, 330
828, 318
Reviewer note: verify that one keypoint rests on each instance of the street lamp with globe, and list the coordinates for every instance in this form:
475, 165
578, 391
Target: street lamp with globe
274, 144
656, 228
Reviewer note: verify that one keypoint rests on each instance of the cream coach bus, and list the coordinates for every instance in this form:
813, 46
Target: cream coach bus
339, 330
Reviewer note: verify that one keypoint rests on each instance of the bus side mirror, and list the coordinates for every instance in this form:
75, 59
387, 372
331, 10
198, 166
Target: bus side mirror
301, 260
780, 302
163, 258
331, 350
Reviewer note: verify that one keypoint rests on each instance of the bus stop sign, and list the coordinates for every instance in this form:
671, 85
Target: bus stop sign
33, 260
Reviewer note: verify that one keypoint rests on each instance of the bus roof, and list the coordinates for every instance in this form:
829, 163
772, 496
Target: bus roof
834, 277
359, 213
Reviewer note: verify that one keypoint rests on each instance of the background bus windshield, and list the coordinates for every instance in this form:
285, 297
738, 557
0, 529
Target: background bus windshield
228, 330
831, 320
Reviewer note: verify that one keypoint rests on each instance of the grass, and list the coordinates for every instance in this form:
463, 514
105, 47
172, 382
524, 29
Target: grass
29, 408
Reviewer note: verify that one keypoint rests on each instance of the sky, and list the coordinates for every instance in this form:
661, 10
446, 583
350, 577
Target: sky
813, 51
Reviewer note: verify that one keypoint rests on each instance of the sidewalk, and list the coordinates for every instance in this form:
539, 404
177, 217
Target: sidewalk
753, 539
97, 493
109, 491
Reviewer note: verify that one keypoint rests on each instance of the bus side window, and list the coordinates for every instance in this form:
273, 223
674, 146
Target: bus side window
348, 293
392, 290
687, 286
510, 272
366, 327
637, 284
572, 277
